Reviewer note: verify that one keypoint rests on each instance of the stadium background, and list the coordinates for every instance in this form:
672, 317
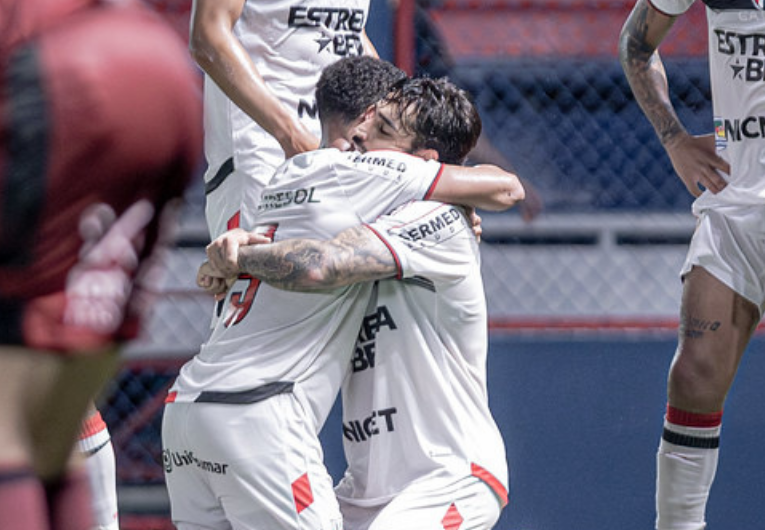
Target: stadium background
583, 300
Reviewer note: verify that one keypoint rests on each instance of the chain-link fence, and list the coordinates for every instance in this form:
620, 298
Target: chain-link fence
555, 104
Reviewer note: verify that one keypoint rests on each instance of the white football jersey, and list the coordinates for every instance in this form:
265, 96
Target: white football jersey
290, 43
266, 335
415, 404
737, 71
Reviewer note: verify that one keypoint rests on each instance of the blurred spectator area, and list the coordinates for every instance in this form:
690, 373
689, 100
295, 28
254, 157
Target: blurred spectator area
474, 29
554, 100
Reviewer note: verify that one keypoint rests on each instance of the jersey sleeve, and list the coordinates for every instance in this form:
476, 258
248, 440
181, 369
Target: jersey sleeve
429, 239
672, 7
378, 181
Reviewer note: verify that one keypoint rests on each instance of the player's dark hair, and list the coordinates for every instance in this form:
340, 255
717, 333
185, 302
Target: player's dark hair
349, 86
440, 115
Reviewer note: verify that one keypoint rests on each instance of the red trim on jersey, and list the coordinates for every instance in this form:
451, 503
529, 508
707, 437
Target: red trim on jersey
270, 231
171, 397
93, 425
693, 419
234, 221
432, 187
399, 269
492, 481
301, 491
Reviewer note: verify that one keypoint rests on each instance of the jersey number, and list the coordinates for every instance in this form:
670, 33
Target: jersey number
241, 300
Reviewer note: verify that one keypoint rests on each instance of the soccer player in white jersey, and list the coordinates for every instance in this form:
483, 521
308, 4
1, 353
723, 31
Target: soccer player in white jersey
724, 272
423, 449
240, 431
261, 62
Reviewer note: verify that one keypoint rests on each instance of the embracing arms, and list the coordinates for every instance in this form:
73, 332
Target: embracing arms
487, 187
355, 255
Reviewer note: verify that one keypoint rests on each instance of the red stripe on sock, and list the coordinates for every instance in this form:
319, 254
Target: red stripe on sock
93, 425
693, 419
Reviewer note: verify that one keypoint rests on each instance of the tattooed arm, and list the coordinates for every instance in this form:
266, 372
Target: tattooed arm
355, 255
640, 37
693, 157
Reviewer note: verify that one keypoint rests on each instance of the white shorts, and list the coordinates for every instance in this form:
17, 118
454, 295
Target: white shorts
729, 243
254, 466
467, 504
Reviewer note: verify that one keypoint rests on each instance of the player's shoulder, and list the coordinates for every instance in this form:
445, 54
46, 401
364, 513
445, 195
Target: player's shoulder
424, 208
429, 219
387, 163
302, 163
353, 165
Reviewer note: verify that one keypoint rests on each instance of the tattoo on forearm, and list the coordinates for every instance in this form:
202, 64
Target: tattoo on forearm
354, 256
646, 75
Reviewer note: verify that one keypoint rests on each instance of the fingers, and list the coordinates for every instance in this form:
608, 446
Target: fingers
693, 189
223, 253
222, 267
713, 182
711, 174
209, 280
475, 222
255, 239
698, 164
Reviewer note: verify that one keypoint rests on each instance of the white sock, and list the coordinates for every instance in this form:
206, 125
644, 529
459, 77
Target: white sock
686, 464
96, 445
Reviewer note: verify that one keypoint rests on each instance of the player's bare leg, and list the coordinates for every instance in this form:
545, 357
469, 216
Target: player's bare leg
42, 402
715, 328
22, 497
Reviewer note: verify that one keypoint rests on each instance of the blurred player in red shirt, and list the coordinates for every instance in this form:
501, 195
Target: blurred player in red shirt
100, 129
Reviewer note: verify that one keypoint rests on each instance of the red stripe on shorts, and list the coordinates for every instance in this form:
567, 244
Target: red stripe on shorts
453, 518
301, 491
492, 481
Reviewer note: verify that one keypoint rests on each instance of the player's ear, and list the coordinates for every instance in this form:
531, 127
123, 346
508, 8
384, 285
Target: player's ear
427, 154
369, 113
361, 125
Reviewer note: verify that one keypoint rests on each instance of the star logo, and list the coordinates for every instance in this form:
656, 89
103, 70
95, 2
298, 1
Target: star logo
325, 41
737, 69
